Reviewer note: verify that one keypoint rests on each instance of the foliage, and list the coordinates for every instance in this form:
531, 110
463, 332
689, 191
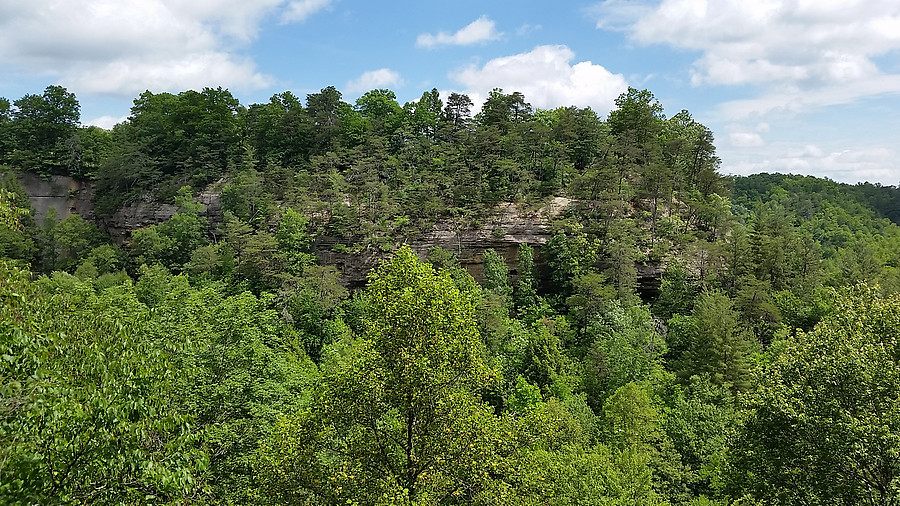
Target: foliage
396, 415
86, 399
626, 348
496, 274
42, 128
714, 343
228, 356
171, 243
821, 423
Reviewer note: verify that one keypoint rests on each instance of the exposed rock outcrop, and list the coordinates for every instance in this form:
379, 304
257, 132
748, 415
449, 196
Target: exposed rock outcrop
650, 279
71, 196
135, 215
66, 195
510, 225
146, 212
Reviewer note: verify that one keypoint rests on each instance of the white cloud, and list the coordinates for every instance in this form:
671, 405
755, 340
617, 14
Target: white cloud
106, 122
193, 71
793, 100
847, 164
746, 139
122, 47
527, 29
808, 151
480, 30
239, 19
299, 10
826, 48
547, 78
740, 136
381, 78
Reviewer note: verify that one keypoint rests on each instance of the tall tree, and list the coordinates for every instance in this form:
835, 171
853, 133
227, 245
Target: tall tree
527, 283
823, 424
635, 125
396, 418
496, 274
458, 110
503, 111
6, 135
324, 108
279, 131
425, 113
192, 136
41, 125
637, 111
690, 151
716, 345
381, 110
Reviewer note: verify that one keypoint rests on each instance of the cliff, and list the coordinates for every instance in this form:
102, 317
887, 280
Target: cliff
145, 213
71, 196
66, 195
510, 225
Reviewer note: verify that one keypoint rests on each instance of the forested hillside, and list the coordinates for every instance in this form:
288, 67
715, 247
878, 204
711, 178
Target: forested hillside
215, 358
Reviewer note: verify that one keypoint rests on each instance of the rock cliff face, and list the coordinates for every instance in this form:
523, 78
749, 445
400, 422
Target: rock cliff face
145, 213
510, 225
68, 196
71, 196
140, 214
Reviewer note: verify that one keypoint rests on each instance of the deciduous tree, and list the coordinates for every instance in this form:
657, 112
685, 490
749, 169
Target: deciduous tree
823, 422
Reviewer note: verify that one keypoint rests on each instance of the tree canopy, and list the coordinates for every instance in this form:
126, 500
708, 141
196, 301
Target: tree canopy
668, 335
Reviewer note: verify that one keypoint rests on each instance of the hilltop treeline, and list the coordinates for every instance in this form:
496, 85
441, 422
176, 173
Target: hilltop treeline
227, 365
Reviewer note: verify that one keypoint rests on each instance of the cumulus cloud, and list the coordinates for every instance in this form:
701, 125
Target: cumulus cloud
746, 139
847, 164
193, 71
122, 47
106, 122
547, 78
480, 30
828, 47
381, 78
740, 136
299, 10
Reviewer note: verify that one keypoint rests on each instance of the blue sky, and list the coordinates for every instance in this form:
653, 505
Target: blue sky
800, 86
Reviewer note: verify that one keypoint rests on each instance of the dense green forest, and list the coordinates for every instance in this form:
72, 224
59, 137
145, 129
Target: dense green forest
218, 360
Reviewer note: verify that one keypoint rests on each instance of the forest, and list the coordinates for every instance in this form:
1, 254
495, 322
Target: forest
682, 337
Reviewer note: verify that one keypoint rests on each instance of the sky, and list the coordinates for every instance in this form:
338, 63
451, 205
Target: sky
793, 86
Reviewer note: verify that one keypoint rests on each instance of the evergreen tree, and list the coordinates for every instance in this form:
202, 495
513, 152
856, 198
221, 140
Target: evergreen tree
717, 345
496, 274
